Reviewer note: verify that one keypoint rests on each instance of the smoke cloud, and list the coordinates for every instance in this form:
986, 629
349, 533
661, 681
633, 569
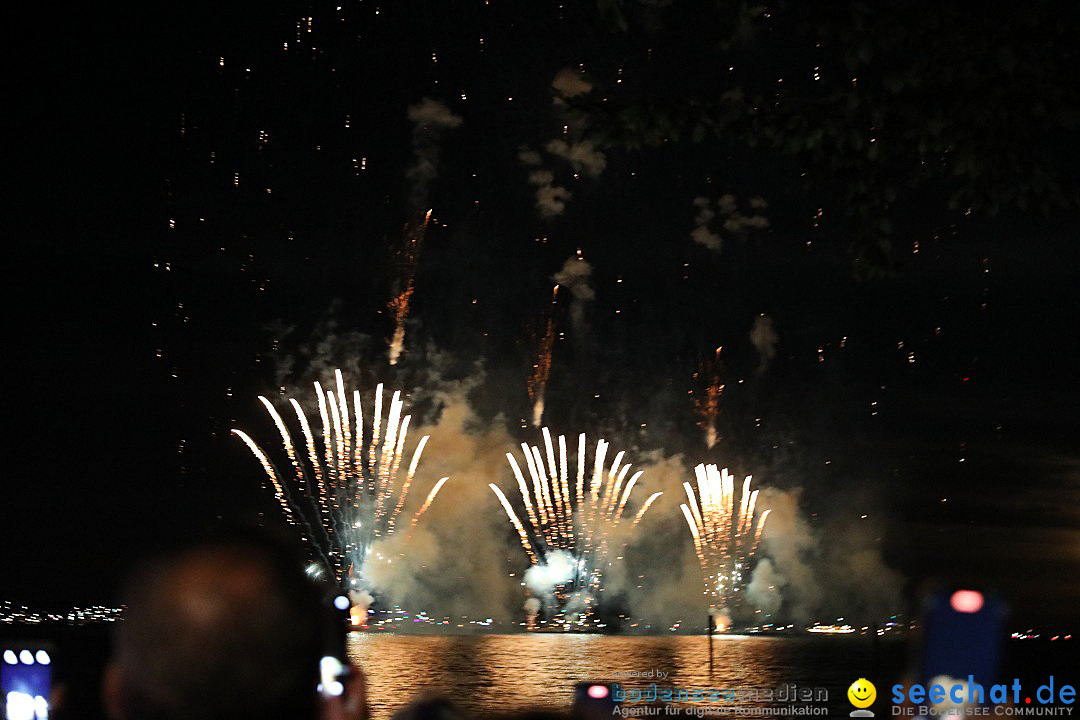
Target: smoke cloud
582, 156
665, 580
765, 587
735, 224
820, 573
550, 198
701, 234
531, 606
569, 83
529, 157
558, 567
764, 338
361, 599
430, 118
454, 562
574, 276
329, 347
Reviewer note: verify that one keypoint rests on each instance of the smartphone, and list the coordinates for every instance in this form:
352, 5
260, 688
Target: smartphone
593, 700
334, 664
962, 635
26, 680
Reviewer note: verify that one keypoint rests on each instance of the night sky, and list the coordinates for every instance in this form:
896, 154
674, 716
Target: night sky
203, 195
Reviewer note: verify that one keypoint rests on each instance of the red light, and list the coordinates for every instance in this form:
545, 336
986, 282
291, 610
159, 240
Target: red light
597, 692
966, 601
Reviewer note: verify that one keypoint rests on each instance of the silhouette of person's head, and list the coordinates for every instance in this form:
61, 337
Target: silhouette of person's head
228, 628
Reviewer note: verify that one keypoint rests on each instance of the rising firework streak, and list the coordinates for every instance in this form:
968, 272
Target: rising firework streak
723, 529
542, 368
708, 404
345, 493
408, 258
573, 511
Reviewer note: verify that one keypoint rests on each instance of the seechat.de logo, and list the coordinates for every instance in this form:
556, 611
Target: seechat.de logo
862, 694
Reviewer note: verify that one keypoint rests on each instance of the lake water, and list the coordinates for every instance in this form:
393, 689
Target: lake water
498, 673
512, 672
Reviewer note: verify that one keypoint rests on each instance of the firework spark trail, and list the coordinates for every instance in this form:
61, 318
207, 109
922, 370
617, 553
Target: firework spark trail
594, 487
281, 491
375, 430
358, 446
564, 483
286, 440
290, 450
408, 258
408, 479
725, 536
387, 458
541, 509
400, 447
325, 418
353, 508
645, 507
343, 406
339, 468
522, 535
313, 458
523, 488
538, 381
427, 502
708, 404
626, 492
581, 469
580, 523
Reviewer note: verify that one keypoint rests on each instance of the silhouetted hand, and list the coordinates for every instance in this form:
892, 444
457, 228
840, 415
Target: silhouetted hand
351, 704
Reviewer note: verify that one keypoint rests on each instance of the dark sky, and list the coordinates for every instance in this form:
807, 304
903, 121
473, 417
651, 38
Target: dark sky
128, 121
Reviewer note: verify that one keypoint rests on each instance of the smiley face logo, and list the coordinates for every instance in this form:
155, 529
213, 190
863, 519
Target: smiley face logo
862, 693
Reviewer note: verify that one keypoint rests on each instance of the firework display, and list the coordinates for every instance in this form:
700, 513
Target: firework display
731, 238
347, 482
344, 490
724, 532
576, 515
